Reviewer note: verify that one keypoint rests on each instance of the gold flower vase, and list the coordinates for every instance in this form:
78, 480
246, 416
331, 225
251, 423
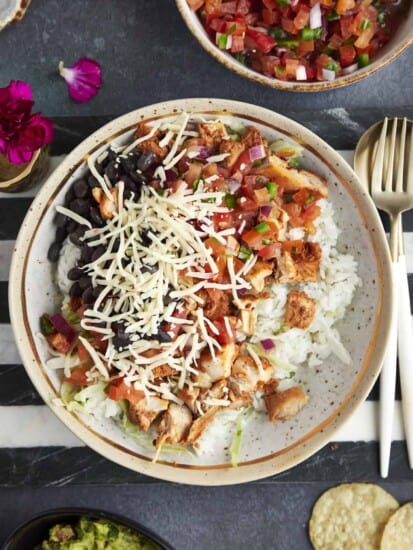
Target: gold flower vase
19, 177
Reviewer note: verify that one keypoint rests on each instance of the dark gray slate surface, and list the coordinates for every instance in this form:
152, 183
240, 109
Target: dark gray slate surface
148, 55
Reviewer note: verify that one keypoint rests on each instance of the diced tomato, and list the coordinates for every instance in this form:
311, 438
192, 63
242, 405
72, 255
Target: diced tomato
269, 63
243, 163
263, 41
213, 6
301, 196
226, 329
291, 67
294, 247
292, 209
173, 329
243, 7
228, 8
310, 213
82, 352
59, 342
347, 27
97, 341
119, 390
193, 173
78, 376
270, 251
235, 28
270, 16
347, 55
237, 44
305, 46
288, 25
335, 41
343, 6
302, 18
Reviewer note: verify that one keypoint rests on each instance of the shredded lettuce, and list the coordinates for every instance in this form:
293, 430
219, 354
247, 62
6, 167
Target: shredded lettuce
235, 447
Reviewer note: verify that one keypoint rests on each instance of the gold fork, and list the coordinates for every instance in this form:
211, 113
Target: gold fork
392, 191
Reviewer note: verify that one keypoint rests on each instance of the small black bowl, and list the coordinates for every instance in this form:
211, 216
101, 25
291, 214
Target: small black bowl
34, 531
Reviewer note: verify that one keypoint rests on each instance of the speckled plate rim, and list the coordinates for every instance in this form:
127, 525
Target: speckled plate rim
193, 474
292, 86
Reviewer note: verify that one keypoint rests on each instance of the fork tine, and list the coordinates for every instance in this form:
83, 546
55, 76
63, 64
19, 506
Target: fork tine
388, 186
409, 175
376, 177
400, 167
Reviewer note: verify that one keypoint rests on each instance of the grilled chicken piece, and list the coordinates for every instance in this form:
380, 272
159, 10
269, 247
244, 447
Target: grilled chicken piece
216, 303
299, 267
282, 405
247, 322
239, 401
300, 310
252, 137
234, 148
217, 390
162, 371
291, 179
212, 369
144, 412
258, 274
151, 144
212, 133
174, 424
247, 377
198, 426
189, 396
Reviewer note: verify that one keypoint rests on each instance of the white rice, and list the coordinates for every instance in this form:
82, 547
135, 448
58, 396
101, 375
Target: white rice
333, 292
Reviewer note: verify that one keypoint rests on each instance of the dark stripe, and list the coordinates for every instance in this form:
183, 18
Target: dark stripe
12, 212
59, 466
16, 387
374, 395
4, 306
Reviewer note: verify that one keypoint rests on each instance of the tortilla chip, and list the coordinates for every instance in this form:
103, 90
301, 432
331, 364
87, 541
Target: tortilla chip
398, 532
351, 516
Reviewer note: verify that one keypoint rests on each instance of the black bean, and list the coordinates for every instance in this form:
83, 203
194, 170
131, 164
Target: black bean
77, 236
146, 240
80, 206
139, 178
54, 252
113, 171
61, 234
85, 282
145, 160
81, 188
86, 253
96, 217
163, 337
97, 290
87, 296
75, 291
167, 299
70, 195
92, 181
72, 226
111, 154
97, 253
60, 219
75, 273
116, 245
128, 163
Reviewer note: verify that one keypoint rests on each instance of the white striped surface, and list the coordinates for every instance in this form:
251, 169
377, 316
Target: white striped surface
37, 426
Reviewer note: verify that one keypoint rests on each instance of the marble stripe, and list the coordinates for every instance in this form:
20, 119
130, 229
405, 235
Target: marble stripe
37, 426
9, 354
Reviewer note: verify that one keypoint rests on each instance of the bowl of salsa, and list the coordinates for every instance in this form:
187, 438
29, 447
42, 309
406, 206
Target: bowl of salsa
301, 45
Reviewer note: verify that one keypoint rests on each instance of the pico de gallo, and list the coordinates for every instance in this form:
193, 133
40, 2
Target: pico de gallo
179, 236
302, 40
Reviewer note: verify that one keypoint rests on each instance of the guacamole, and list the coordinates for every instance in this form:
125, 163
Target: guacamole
97, 534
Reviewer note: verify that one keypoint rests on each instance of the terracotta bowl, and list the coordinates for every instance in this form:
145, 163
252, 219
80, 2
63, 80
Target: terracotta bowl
34, 531
401, 40
335, 390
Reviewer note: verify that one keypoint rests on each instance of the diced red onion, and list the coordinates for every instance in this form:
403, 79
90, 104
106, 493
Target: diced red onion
315, 17
329, 75
267, 344
265, 211
294, 2
62, 326
350, 69
170, 175
301, 73
242, 291
256, 153
204, 152
233, 185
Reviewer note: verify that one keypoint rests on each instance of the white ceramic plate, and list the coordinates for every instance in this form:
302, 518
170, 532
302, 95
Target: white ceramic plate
334, 389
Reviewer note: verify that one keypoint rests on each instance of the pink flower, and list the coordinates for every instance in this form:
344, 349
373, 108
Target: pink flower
21, 132
83, 79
